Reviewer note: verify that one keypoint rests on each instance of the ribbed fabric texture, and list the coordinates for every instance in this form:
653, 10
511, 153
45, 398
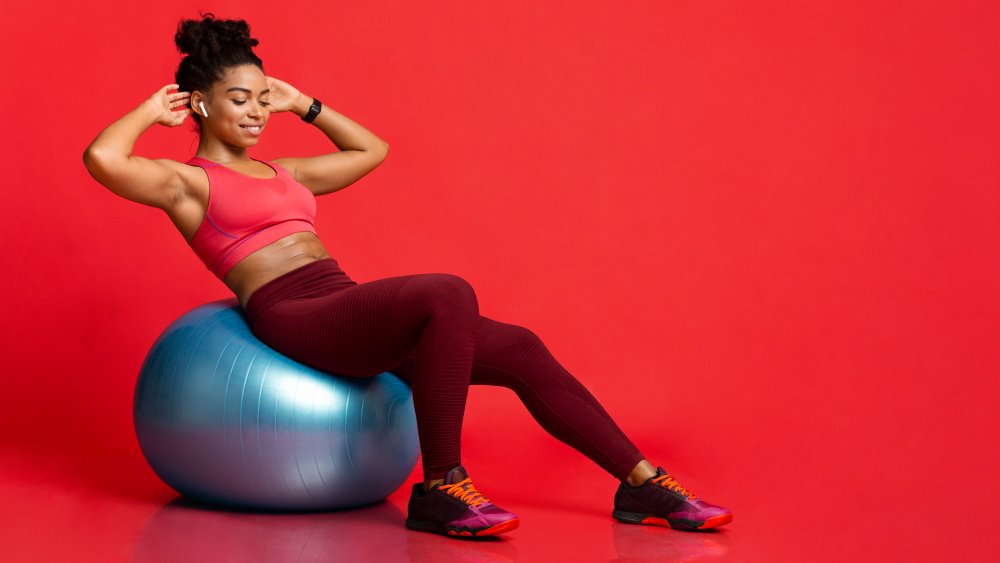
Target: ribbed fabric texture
426, 328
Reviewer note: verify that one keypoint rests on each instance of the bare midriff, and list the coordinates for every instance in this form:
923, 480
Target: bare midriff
279, 257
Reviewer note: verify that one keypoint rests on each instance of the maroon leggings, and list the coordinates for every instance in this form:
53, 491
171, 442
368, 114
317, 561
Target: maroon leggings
426, 328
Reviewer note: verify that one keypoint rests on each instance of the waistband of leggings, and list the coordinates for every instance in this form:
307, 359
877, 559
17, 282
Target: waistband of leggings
318, 274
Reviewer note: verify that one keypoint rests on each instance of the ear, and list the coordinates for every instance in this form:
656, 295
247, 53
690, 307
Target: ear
196, 99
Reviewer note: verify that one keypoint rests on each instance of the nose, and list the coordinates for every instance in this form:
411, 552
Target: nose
256, 109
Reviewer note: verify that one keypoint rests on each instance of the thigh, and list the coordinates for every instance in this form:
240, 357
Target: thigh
357, 331
500, 351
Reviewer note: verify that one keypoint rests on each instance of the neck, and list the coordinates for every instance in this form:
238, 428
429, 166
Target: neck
217, 151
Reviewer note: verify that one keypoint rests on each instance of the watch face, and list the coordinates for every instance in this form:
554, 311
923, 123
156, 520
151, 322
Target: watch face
313, 111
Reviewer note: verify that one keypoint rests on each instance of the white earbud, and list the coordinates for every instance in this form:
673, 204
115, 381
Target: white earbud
203, 112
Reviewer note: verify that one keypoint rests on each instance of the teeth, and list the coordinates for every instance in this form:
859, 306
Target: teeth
254, 128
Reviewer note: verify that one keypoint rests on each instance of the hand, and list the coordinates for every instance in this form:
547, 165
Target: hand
283, 96
163, 103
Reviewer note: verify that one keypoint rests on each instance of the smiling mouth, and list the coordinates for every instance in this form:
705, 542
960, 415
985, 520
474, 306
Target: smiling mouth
253, 128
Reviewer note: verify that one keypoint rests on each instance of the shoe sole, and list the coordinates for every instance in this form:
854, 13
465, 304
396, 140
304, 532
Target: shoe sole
461, 531
675, 523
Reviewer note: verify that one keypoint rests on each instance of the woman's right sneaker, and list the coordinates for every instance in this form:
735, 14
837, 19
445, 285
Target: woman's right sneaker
662, 501
456, 508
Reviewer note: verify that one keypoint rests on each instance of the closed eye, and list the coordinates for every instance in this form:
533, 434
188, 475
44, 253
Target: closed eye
241, 102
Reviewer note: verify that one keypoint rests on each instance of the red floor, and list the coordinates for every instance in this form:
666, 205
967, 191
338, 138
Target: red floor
70, 508
116, 510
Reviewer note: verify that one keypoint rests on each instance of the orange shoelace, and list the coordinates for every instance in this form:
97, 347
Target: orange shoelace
670, 483
465, 491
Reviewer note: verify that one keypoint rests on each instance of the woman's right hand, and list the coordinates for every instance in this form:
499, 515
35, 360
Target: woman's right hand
164, 103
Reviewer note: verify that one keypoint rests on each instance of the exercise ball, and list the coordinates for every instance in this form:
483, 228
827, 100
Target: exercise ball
223, 418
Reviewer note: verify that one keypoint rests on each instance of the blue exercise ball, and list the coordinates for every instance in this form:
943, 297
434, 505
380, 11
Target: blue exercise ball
221, 417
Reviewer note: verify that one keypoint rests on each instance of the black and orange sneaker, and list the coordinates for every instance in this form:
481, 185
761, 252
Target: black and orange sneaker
456, 508
662, 501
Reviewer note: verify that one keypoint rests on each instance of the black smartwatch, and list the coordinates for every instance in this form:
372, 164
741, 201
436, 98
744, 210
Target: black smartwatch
313, 111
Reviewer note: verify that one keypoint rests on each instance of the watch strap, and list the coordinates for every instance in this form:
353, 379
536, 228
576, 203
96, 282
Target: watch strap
313, 111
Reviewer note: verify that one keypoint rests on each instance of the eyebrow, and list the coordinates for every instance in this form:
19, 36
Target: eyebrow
247, 90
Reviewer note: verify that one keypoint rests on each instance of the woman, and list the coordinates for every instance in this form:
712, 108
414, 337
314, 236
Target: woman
251, 222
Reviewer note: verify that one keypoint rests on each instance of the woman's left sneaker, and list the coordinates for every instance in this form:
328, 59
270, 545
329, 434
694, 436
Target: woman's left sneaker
456, 508
662, 501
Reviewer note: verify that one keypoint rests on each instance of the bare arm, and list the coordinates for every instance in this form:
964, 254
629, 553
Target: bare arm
109, 157
360, 151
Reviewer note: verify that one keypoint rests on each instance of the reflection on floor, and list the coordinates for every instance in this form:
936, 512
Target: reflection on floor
72, 503
118, 510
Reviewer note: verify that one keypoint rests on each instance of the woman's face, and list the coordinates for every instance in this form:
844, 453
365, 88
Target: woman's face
237, 102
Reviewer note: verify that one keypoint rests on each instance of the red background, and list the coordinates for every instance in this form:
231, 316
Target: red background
764, 235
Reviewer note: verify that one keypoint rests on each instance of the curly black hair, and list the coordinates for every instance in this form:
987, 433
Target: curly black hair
212, 46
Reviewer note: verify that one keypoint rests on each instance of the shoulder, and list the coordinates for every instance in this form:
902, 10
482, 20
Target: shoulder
290, 164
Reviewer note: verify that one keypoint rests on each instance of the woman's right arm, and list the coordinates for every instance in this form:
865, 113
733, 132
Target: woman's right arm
110, 161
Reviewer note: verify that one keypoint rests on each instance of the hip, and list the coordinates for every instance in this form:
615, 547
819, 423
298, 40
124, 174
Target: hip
313, 278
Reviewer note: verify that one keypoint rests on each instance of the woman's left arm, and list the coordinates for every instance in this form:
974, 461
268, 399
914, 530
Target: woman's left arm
361, 151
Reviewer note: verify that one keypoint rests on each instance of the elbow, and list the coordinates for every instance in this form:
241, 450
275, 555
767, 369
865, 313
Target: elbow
97, 164
92, 157
381, 151
89, 160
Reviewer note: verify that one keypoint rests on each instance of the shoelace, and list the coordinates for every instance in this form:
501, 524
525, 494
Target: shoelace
670, 483
465, 491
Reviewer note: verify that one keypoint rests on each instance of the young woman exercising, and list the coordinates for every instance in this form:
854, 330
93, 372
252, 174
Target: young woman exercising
251, 222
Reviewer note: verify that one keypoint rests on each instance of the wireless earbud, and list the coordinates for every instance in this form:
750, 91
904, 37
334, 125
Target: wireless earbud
203, 112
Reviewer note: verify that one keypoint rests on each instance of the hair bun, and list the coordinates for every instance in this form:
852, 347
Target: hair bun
211, 35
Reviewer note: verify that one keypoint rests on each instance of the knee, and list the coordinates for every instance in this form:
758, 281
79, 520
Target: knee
450, 292
520, 338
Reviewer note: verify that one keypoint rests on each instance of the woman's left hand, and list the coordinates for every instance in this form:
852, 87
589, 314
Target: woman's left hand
282, 95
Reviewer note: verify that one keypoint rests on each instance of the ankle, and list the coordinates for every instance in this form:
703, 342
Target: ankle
428, 483
642, 472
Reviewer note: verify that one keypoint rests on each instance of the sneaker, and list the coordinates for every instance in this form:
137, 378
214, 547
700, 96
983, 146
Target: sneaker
456, 508
662, 501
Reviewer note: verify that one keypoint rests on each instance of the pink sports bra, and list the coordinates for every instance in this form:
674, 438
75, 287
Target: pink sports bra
246, 214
